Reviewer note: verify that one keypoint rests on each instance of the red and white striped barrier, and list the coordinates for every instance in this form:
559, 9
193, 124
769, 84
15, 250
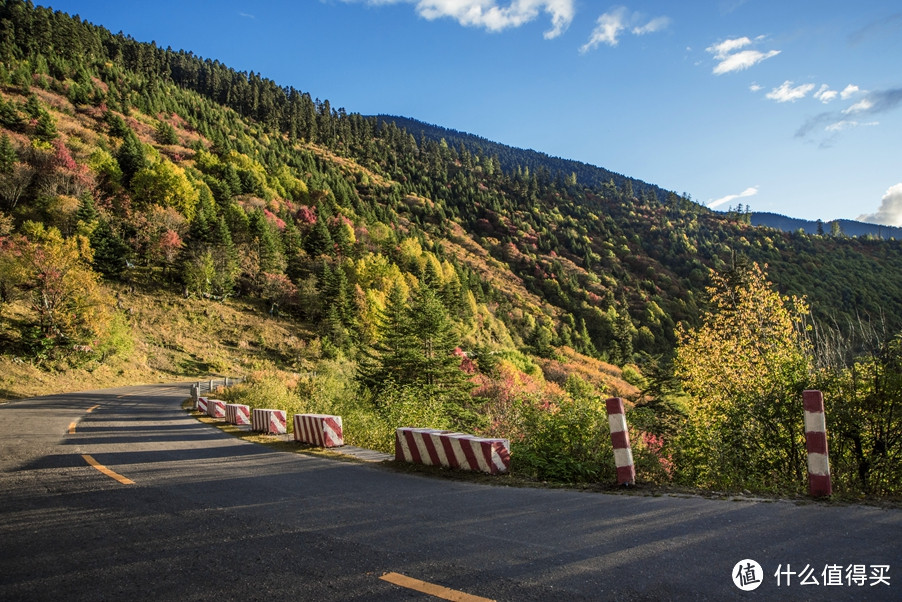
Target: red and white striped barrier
819, 483
318, 429
201, 405
453, 450
620, 439
216, 408
273, 422
238, 414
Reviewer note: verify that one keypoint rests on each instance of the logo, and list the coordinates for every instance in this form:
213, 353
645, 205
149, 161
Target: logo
748, 575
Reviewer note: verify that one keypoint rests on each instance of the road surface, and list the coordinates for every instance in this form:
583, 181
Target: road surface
187, 512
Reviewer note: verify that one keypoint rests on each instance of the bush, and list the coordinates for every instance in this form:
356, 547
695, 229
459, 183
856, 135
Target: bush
568, 442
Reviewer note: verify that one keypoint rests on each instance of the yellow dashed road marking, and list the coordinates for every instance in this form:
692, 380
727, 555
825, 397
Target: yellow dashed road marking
107, 471
438, 591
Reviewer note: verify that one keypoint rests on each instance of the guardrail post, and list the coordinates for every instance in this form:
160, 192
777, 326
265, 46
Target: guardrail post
620, 439
819, 483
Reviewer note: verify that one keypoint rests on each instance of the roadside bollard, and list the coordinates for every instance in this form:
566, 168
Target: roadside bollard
819, 484
620, 439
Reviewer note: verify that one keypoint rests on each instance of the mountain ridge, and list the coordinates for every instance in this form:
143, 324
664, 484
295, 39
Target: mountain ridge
847, 227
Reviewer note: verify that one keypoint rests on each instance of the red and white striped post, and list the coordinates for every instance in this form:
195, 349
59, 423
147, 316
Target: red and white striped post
620, 439
819, 484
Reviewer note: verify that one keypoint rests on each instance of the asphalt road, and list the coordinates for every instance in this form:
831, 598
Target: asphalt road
210, 517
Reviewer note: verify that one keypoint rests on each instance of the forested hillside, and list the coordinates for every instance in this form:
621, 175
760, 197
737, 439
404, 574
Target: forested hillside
438, 276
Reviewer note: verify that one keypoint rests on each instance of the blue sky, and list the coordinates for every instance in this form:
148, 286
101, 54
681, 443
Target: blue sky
793, 107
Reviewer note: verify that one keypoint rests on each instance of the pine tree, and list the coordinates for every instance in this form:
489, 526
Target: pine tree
110, 252
319, 242
8, 155
416, 347
45, 129
130, 157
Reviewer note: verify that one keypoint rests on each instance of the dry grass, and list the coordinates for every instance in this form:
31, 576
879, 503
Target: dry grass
174, 339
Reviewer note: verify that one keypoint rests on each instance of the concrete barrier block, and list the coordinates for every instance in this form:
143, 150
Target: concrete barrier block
216, 408
238, 414
269, 421
201, 404
434, 447
323, 430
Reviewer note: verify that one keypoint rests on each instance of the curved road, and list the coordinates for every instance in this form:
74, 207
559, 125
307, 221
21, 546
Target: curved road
210, 517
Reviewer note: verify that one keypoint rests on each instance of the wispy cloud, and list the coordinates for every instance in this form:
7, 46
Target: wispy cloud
848, 124
612, 24
885, 26
247, 15
731, 57
752, 191
788, 92
490, 14
833, 122
890, 211
825, 94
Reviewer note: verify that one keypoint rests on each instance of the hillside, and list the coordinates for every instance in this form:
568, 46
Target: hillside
511, 159
613, 262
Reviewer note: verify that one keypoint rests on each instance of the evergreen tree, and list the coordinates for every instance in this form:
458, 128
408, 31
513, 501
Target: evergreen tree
86, 212
8, 155
416, 347
130, 157
110, 252
45, 129
9, 116
319, 242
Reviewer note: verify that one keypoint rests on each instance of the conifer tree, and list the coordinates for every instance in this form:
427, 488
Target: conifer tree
8, 155
130, 157
416, 347
110, 251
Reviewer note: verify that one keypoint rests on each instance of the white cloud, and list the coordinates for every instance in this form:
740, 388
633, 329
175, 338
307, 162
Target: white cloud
752, 191
613, 23
825, 94
756, 87
607, 29
488, 14
875, 103
846, 124
656, 24
860, 106
743, 60
789, 93
890, 211
730, 57
727, 47
849, 91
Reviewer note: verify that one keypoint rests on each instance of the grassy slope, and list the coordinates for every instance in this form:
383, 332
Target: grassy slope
174, 339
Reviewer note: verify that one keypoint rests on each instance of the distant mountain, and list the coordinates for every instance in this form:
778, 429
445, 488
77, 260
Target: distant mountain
846, 226
512, 158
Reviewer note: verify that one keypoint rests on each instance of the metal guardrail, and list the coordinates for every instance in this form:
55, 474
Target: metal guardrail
207, 386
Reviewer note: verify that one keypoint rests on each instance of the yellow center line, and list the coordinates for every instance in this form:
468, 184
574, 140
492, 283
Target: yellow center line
107, 471
92, 408
438, 591
72, 427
